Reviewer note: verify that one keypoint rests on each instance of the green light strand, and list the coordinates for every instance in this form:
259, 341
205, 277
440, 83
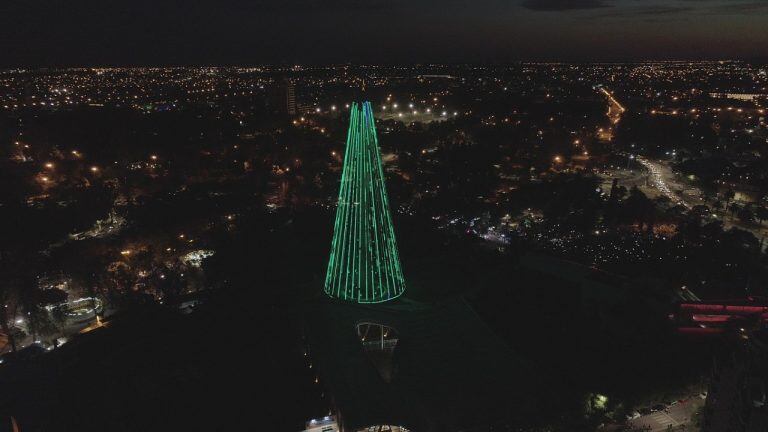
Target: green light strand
364, 264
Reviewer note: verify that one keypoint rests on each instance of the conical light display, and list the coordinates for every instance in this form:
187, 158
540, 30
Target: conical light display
364, 266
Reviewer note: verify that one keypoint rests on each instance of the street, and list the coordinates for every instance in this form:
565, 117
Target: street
656, 178
678, 416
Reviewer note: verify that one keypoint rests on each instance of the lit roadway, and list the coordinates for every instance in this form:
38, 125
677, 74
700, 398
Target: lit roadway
615, 109
663, 179
676, 416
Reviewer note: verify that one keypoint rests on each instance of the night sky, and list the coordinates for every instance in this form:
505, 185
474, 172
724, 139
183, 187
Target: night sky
249, 32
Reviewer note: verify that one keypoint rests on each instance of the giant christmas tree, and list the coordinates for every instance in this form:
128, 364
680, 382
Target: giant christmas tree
364, 266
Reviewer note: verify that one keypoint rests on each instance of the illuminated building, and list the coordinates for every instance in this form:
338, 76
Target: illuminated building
290, 97
364, 265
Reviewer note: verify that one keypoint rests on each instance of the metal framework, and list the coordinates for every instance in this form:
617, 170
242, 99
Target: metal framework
364, 266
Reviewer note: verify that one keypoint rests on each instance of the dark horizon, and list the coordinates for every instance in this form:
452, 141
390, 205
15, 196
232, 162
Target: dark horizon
54, 33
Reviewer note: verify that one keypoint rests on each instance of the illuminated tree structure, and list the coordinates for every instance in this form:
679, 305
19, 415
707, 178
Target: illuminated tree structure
364, 266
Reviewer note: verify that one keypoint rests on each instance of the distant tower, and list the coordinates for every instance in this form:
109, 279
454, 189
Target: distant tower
364, 266
290, 97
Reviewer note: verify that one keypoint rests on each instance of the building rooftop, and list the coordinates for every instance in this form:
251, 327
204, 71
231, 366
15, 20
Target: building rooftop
447, 370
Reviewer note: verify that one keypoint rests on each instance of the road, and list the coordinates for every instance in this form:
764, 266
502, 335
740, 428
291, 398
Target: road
615, 109
678, 416
658, 178
664, 180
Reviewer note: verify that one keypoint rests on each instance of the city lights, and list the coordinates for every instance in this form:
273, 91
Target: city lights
185, 203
